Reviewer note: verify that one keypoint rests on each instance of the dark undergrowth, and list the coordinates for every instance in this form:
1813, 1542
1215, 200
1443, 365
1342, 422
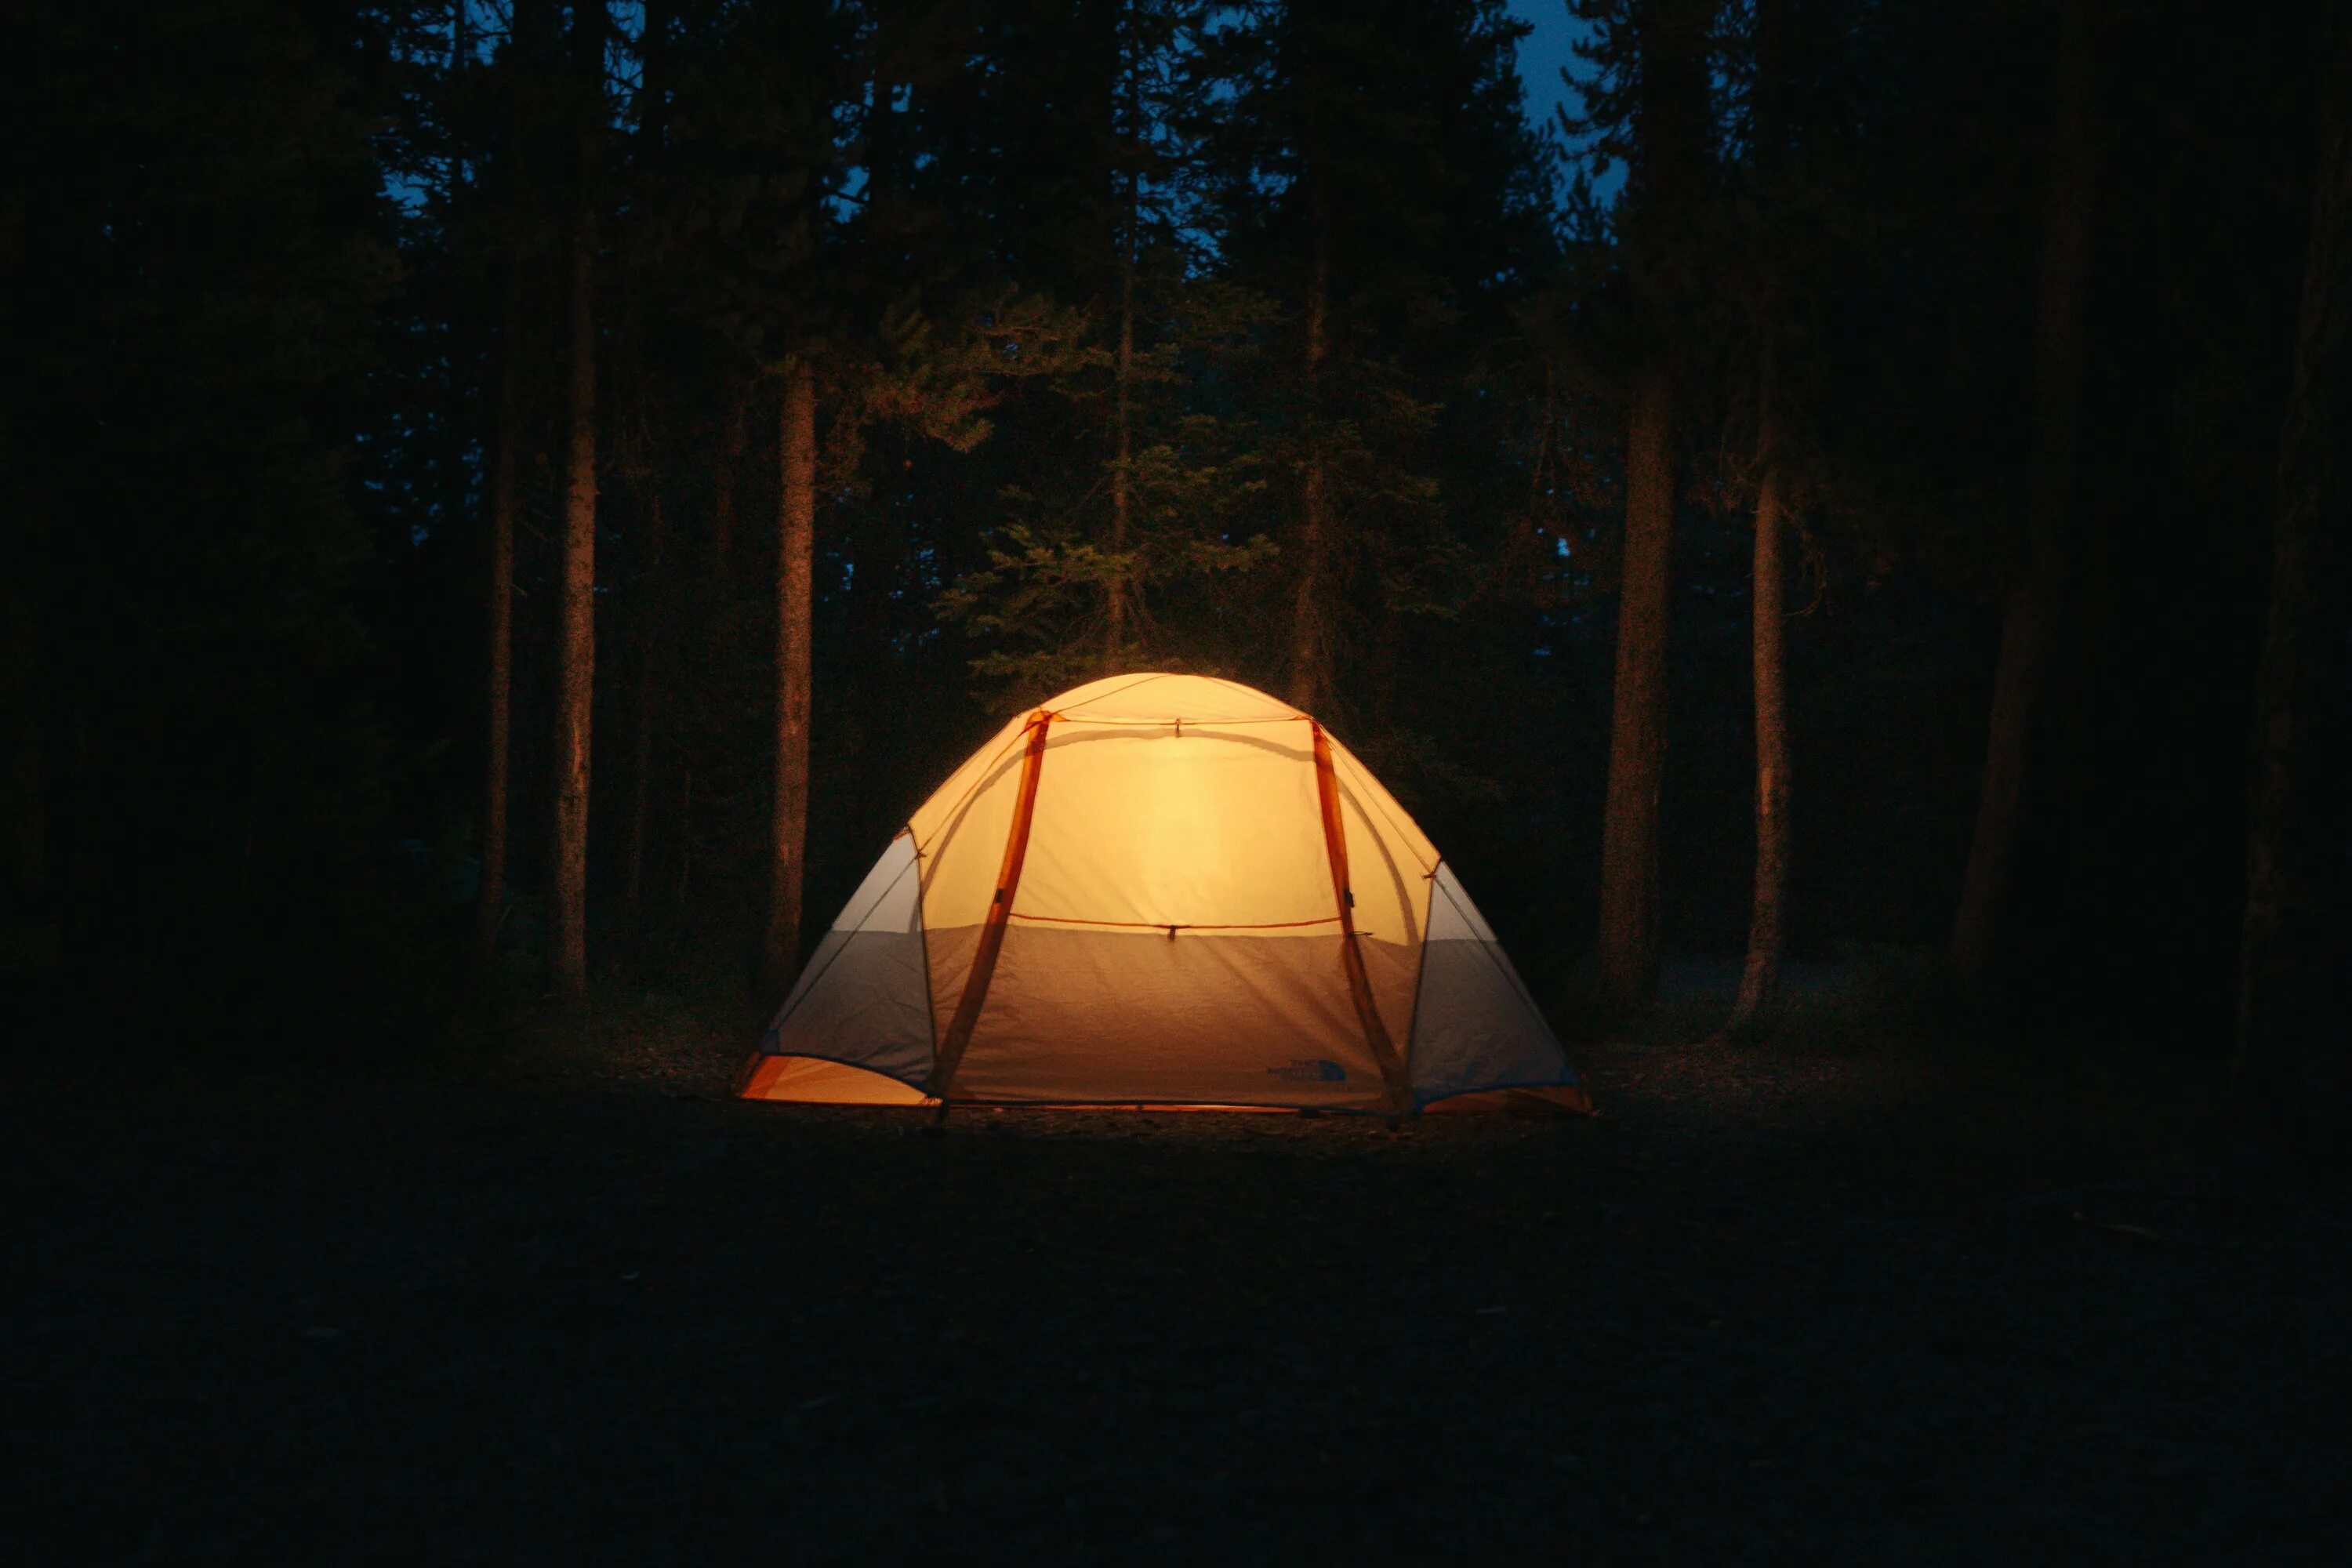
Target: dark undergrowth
1854, 1292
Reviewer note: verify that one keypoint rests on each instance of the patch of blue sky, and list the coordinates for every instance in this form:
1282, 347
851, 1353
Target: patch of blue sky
1552, 78
1552, 74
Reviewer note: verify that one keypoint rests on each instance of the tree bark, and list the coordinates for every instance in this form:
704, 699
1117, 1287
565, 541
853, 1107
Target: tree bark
641, 757
2033, 602
720, 644
506, 436
2288, 1038
650, 107
795, 561
27, 905
1311, 651
526, 39
1667, 182
685, 835
1760, 977
576, 649
733, 441
1637, 728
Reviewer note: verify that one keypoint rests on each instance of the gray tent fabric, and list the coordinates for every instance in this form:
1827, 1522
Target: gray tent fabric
1218, 1018
1475, 1025
865, 998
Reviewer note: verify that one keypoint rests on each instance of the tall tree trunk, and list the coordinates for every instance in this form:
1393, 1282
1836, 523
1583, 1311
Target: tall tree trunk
2290, 1049
1519, 572
685, 834
576, 610
733, 441
1311, 649
870, 536
26, 906
1115, 616
2032, 607
651, 108
506, 436
1668, 181
641, 758
1637, 726
721, 648
795, 563
2016, 697
1760, 977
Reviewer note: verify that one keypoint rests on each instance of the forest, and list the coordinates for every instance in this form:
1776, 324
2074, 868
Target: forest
535, 493
1841, 531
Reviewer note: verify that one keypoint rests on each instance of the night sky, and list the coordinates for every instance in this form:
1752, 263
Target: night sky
1544, 54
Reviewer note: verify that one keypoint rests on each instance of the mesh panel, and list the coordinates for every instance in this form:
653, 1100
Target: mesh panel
865, 997
1475, 1027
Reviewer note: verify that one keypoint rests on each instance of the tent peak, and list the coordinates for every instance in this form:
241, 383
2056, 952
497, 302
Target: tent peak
1164, 697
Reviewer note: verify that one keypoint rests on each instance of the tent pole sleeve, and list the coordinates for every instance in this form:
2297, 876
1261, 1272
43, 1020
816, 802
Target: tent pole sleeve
952, 1045
1351, 955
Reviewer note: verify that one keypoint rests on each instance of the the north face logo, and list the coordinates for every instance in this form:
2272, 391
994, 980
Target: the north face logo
1310, 1072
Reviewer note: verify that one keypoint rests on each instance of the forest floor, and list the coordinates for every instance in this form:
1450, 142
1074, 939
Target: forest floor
550, 1295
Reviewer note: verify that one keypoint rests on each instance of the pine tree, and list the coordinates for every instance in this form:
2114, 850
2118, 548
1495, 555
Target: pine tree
645, 449
2033, 602
505, 436
509, 228
1776, 195
1369, 168
575, 655
2289, 1051
795, 627
200, 263
1760, 977
1657, 51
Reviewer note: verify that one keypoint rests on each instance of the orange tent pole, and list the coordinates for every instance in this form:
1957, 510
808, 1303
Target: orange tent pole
991, 931
1352, 956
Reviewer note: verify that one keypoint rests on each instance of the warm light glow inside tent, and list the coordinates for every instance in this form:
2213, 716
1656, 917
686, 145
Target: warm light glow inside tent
1162, 890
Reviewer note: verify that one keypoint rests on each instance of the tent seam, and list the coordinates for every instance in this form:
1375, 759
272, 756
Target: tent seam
1420, 980
1116, 691
948, 1054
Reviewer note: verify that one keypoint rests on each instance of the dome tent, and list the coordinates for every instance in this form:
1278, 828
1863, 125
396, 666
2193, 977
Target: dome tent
1162, 890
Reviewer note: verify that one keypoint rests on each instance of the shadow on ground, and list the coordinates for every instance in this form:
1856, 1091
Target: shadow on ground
557, 1298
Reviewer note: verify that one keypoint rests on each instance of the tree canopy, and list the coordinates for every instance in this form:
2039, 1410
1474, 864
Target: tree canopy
1269, 339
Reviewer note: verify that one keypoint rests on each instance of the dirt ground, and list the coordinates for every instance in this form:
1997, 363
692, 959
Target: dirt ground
552, 1297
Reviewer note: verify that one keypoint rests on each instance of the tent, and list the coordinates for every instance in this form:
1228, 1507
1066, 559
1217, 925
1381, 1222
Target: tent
1162, 891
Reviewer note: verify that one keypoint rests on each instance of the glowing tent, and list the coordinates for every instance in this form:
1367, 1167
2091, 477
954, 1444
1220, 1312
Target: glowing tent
1162, 890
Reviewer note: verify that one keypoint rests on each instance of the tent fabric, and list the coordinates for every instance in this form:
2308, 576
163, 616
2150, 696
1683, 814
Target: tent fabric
865, 998
1475, 1025
1163, 890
